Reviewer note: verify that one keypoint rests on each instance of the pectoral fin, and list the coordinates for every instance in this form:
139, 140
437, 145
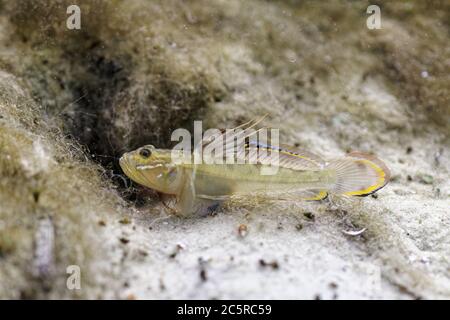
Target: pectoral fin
186, 198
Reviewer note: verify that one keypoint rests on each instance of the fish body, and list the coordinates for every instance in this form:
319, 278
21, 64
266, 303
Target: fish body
222, 180
299, 175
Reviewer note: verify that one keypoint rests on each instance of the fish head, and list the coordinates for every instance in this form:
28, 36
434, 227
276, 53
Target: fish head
152, 168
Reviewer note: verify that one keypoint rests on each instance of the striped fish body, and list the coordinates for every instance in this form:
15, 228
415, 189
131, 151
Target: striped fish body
299, 175
247, 179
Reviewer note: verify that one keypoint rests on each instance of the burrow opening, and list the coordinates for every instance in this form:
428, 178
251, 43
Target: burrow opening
114, 110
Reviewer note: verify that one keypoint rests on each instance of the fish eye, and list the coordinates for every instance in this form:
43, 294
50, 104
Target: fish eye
145, 153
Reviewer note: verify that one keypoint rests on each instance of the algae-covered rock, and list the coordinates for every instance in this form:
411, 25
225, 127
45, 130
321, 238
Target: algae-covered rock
72, 101
51, 199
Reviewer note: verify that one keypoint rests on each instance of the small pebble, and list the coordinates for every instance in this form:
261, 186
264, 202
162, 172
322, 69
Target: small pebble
124, 240
125, 221
243, 230
177, 250
143, 253
273, 264
426, 179
203, 274
309, 215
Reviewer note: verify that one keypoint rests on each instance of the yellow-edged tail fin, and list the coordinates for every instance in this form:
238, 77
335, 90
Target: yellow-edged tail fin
359, 174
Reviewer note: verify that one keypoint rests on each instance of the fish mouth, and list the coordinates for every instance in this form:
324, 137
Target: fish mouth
125, 165
129, 168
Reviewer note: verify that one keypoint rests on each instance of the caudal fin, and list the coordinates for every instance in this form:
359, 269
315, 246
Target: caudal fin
359, 174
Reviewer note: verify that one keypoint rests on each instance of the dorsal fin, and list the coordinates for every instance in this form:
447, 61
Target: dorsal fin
224, 139
254, 151
283, 156
309, 156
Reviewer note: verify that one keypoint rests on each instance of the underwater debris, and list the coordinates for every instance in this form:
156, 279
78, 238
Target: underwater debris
243, 230
178, 248
272, 264
124, 240
309, 216
202, 273
44, 255
125, 220
426, 179
354, 233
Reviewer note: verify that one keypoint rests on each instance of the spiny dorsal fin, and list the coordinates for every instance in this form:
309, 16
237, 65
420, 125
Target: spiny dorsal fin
225, 140
255, 151
283, 156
